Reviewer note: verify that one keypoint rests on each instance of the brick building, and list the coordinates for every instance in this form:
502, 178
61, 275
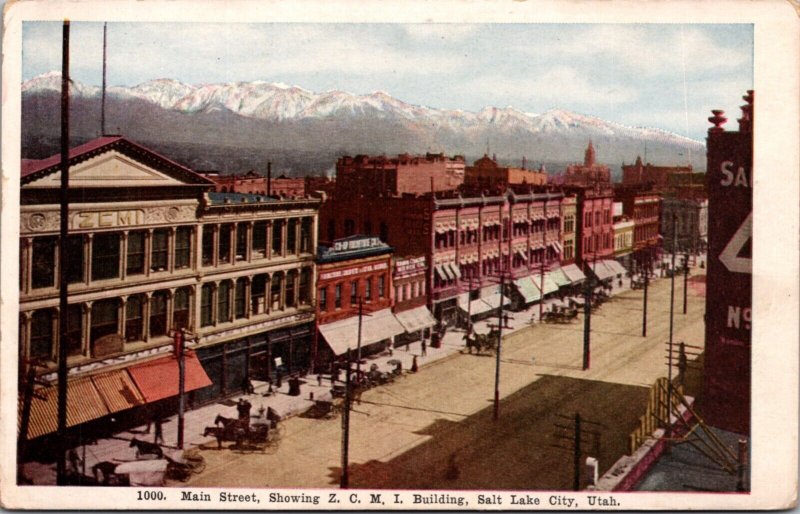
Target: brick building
352, 270
152, 250
726, 395
595, 231
651, 176
486, 174
569, 220
409, 276
588, 173
257, 184
643, 206
371, 176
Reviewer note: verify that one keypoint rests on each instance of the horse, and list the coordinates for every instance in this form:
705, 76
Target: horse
227, 423
106, 468
217, 432
145, 448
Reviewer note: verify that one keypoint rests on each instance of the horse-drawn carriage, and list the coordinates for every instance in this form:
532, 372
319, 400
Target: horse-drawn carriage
482, 342
151, 467
637, 283
560, 314
262, 435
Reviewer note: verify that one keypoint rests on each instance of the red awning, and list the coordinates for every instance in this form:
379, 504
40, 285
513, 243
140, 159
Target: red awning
158, 379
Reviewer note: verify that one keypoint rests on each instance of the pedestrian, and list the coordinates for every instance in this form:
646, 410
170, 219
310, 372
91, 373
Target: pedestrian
424, 348
279, 379
414, 366
159, 432
319, 379
247, 386
74, 461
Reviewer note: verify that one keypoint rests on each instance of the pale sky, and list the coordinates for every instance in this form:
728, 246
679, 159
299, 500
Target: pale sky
630, 74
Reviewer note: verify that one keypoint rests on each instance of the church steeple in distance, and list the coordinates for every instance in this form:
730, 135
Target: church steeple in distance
589, 158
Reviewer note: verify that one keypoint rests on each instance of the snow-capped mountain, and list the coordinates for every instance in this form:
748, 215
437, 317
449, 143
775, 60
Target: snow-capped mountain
369, 123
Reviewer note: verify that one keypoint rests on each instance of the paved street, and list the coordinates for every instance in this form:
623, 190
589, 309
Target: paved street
434, 429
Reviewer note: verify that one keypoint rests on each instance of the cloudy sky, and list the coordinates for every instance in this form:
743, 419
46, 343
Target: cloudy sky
631, 74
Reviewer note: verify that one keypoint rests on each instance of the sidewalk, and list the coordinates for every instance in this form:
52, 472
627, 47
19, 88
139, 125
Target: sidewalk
117, 448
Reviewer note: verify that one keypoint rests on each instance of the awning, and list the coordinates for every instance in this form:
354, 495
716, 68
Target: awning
601, 271
557, 246
474, 307
416, 319
375, 327
527, 289
522, 253
118, 390
158, 379
439, 271
493, 301
559, 277
618, 268
83, 404
454, 269
574, 273
550, 285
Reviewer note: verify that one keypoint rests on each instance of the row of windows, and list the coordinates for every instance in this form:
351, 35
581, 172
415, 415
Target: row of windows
569, 224
248, 296
569, 250
409, 291
137, 318
588, 217
371, 286
108, 254
646, 211
230, 242
597, 242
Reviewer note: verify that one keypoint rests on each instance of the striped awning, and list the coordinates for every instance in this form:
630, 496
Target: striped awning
158, 379
601, 271
83, 404
378, 326
574, 273
118, 390
454, 269
474, 307
416, 319
550, 286
559, 277
528, 290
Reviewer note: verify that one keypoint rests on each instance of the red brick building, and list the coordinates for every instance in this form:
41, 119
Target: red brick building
353, 269
643, 207
257, 184
485, 173
409, 276
380, 175
595, 234
725, 400
658, 177
588, 173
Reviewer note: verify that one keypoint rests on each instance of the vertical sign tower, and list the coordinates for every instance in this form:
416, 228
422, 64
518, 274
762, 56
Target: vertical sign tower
725, 401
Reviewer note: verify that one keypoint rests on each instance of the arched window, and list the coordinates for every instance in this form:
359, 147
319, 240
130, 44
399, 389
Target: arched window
291, 277
41, 339
258, 294
240, 300
207, 305
275, 291
181, 309
224, 301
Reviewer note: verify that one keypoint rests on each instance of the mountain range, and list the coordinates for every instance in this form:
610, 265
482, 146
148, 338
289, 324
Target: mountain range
237, 126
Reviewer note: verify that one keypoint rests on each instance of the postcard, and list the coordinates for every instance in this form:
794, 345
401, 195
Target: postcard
399, 256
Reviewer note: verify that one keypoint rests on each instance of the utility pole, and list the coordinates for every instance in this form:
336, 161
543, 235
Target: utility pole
671, 323
496, 414
469, 308
576, 461
685, 279
646, 284
360, 317
587, 317
345, 478
63, 305
180, 340
103, 97
541, 278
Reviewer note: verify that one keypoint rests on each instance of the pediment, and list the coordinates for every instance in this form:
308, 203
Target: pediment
110, 169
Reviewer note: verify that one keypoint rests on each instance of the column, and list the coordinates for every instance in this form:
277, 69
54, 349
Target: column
248, 304
123, 252
123, 317
148, 247
86, 329
87, 264
170, 306
215, 245
146, 317
25, 335
249, 250
171, 250
27, 263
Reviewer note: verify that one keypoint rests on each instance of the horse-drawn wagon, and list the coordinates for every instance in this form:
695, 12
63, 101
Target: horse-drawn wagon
262, 435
